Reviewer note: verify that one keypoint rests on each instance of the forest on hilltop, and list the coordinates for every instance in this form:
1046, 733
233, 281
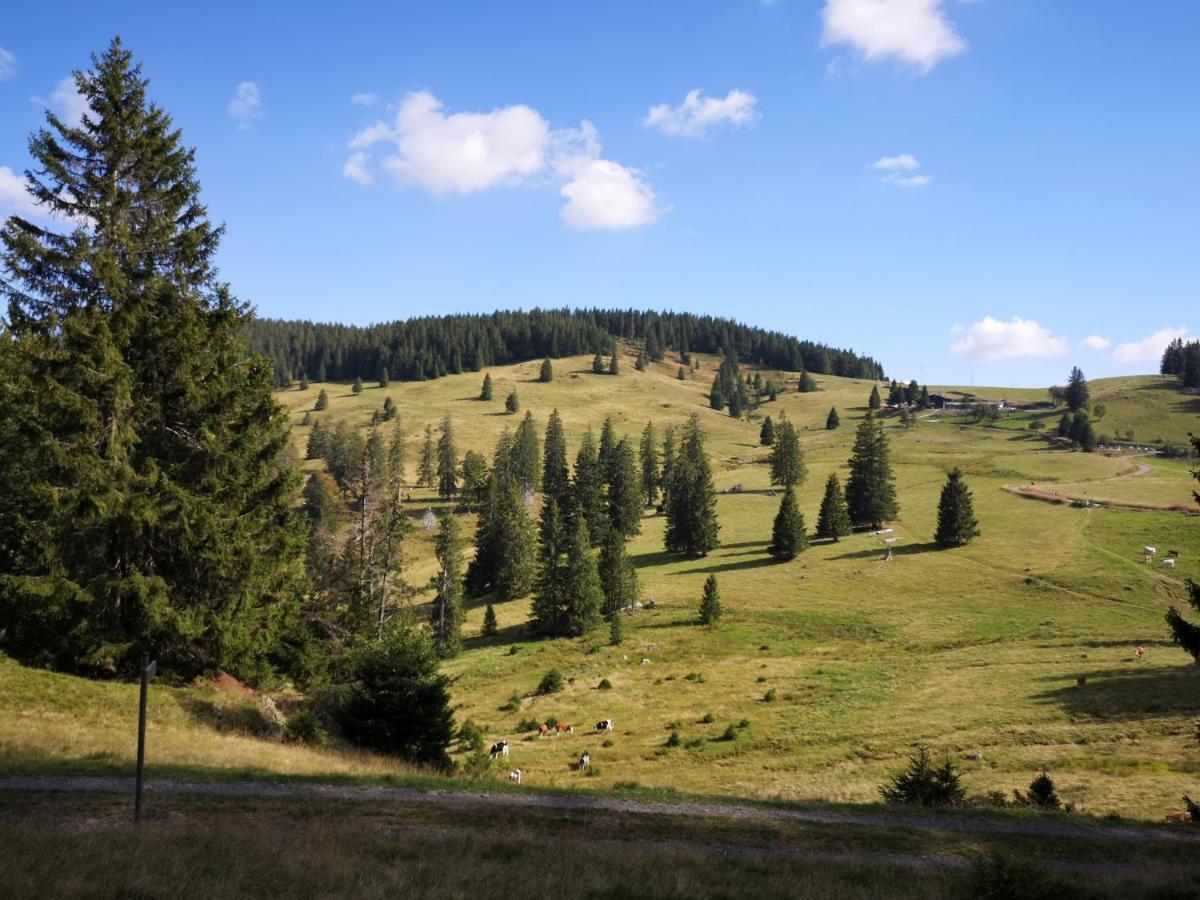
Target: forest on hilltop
432, 346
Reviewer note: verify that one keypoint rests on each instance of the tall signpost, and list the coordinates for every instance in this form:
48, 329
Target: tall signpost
148, 669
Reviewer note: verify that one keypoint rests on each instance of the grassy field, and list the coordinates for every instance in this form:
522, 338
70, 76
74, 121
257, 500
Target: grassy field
831, 668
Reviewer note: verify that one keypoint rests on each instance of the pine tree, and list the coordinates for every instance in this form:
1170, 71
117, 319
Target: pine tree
766, 434
581, 584
608, 448
149, 503
788, 536
447, 612
806, 385
870, 492
490, 628
384, 378
485, 392
357, 387
692, 527
1064, 425
588, 488
624, 491
616, 631
681, 374
548, 610
514, 541
787, 459
669, 455
614, 367
317, 447
648, 456
923, 400
618, 578
1077, 390
640, 362
389, 409
304, 382
832, 421
427, 467
547, 374
956, 515
710, 603
322, 403
556, 477
735, 404
873, 401
447, 461
512, 403
526, 460
834, 519
474, 479
716, 396
598, 364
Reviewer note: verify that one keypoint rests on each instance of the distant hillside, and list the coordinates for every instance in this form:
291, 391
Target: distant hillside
433, 346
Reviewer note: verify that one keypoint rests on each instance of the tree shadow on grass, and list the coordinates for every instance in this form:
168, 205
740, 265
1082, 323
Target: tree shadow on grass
509, 634
897, 550
659, 558
732, 566
1127, 693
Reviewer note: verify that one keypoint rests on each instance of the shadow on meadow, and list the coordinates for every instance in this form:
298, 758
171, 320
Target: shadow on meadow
897, 550
735, 566
1128, 693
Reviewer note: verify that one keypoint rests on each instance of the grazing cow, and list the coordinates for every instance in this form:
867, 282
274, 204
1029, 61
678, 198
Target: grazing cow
1169, 563
1139, 652
584, 761
564, 728
515, 776
1173, 553
1149, 551
500, 748
645, 660
606, 725
543, 730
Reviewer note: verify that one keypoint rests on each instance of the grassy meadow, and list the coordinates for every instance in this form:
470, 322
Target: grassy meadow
830, 668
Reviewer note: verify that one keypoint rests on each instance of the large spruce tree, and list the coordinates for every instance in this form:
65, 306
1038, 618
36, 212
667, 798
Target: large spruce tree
427, 466
834, 519
556, 477
618, 578
956, 514
624, 491
1076, 393
446, 613
588, 488
648, 456
447, 461
148, 504
787, 459
870, 492
788, 536
692, 527
584, 598
548, 610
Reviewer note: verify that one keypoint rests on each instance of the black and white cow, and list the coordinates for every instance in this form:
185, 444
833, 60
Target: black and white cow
584, 761
500, 748
606, 725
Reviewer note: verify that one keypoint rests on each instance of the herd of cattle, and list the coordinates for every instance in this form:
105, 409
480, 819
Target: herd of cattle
500, 748
1168, 563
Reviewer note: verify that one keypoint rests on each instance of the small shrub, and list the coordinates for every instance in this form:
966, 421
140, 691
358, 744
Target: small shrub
607, 742
514, 650
470, 736
512, 704
1041, 794
708, 719
594, 648
675, 725
769, 696
593, 771
745, 723
764, 647
528, 725
551, 682
604, 685
695, 743
551, 722
921, 784
479, 765
729, 734
694, 676
673, 739
761, 679
999, 877
305, 727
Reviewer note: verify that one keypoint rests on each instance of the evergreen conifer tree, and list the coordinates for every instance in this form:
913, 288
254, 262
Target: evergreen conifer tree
692, 527
474, 479
870, 492
547, 373
526, 459
357, 387
608, 447
598, 364
1064, 425
447, 612
581, 584
787, 459
556, 477
873, 402
788, 536
669, 455
1077, 390
512, 403
427, 467
490, 628
834, 519
322, 401
616, 631
618, 578
832, 421
710, 602
956, 514
384, 378
614, 366
681, 374
485, 392
624, 491
548, 610
766, 434
316, 447
648, 456
304, 382
640, 362
588, 488
447, 461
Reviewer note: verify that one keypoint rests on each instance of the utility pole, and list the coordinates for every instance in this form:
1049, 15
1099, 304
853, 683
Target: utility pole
149, 667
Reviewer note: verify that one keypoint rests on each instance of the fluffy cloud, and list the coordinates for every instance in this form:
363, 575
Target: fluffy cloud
1095, 342
364, 99
1148, 349
915, 32
246, 105
696, 114
65, 102
462, 153
8, 65
894, 166
990, 340
14, 199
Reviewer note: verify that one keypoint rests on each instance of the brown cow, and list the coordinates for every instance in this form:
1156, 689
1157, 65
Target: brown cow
543, 730
564, 728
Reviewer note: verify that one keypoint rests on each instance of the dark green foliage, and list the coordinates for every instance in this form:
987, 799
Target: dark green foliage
681, 374
923, 784
1082, 432
624, 491
1191, 366
766, 434
546, 375
474, 479
1077, 390
485, 392
648, 457
505, 544
654, 342
1064, 425
556, 478
304, 382
384, 378
470, 736
729, 387
357, 387
552, 682
999, 876
512, 403
873, 402
446, 613
735, 405
427, 467
618, 578
525, 460
588, 488
614, 367
316, 447
616, 637
640, 362
710, 602
806, 384
923, 399
389, 409
787, 459
598, 363
956, 523
834, 519
128, 397
1173, 358
606, 451
489, 629
692, 527
447, 461
393, 699
832, 421
581, 583
787, 536
549, 600
322, 401
669, 456
870, 493
716, 397
306, 419
1041, 794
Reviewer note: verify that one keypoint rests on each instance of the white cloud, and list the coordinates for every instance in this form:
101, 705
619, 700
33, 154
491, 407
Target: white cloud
364, 99
915, 32
910, 181
65, 102
246, 104
462, 153
990, 340
8, 65
904, 162
696, 114
1148, 349
1095, 342
14, 198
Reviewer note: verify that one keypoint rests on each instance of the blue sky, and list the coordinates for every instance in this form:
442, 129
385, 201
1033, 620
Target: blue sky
966, 190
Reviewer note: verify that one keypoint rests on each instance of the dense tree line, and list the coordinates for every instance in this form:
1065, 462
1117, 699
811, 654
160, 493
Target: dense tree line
1183, 361
432, 346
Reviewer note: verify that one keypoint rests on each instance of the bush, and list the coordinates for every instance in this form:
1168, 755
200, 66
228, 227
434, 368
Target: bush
607, 742
769, 696
745, 723
694, 676
551, 683
305, 726
512, 704
923, 785
528, 725
479, 765
514, 650
1000, 877
708, 719
1041, 794
761, 679
673, 739
730, 734
604, 685
470, 736
695, 743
